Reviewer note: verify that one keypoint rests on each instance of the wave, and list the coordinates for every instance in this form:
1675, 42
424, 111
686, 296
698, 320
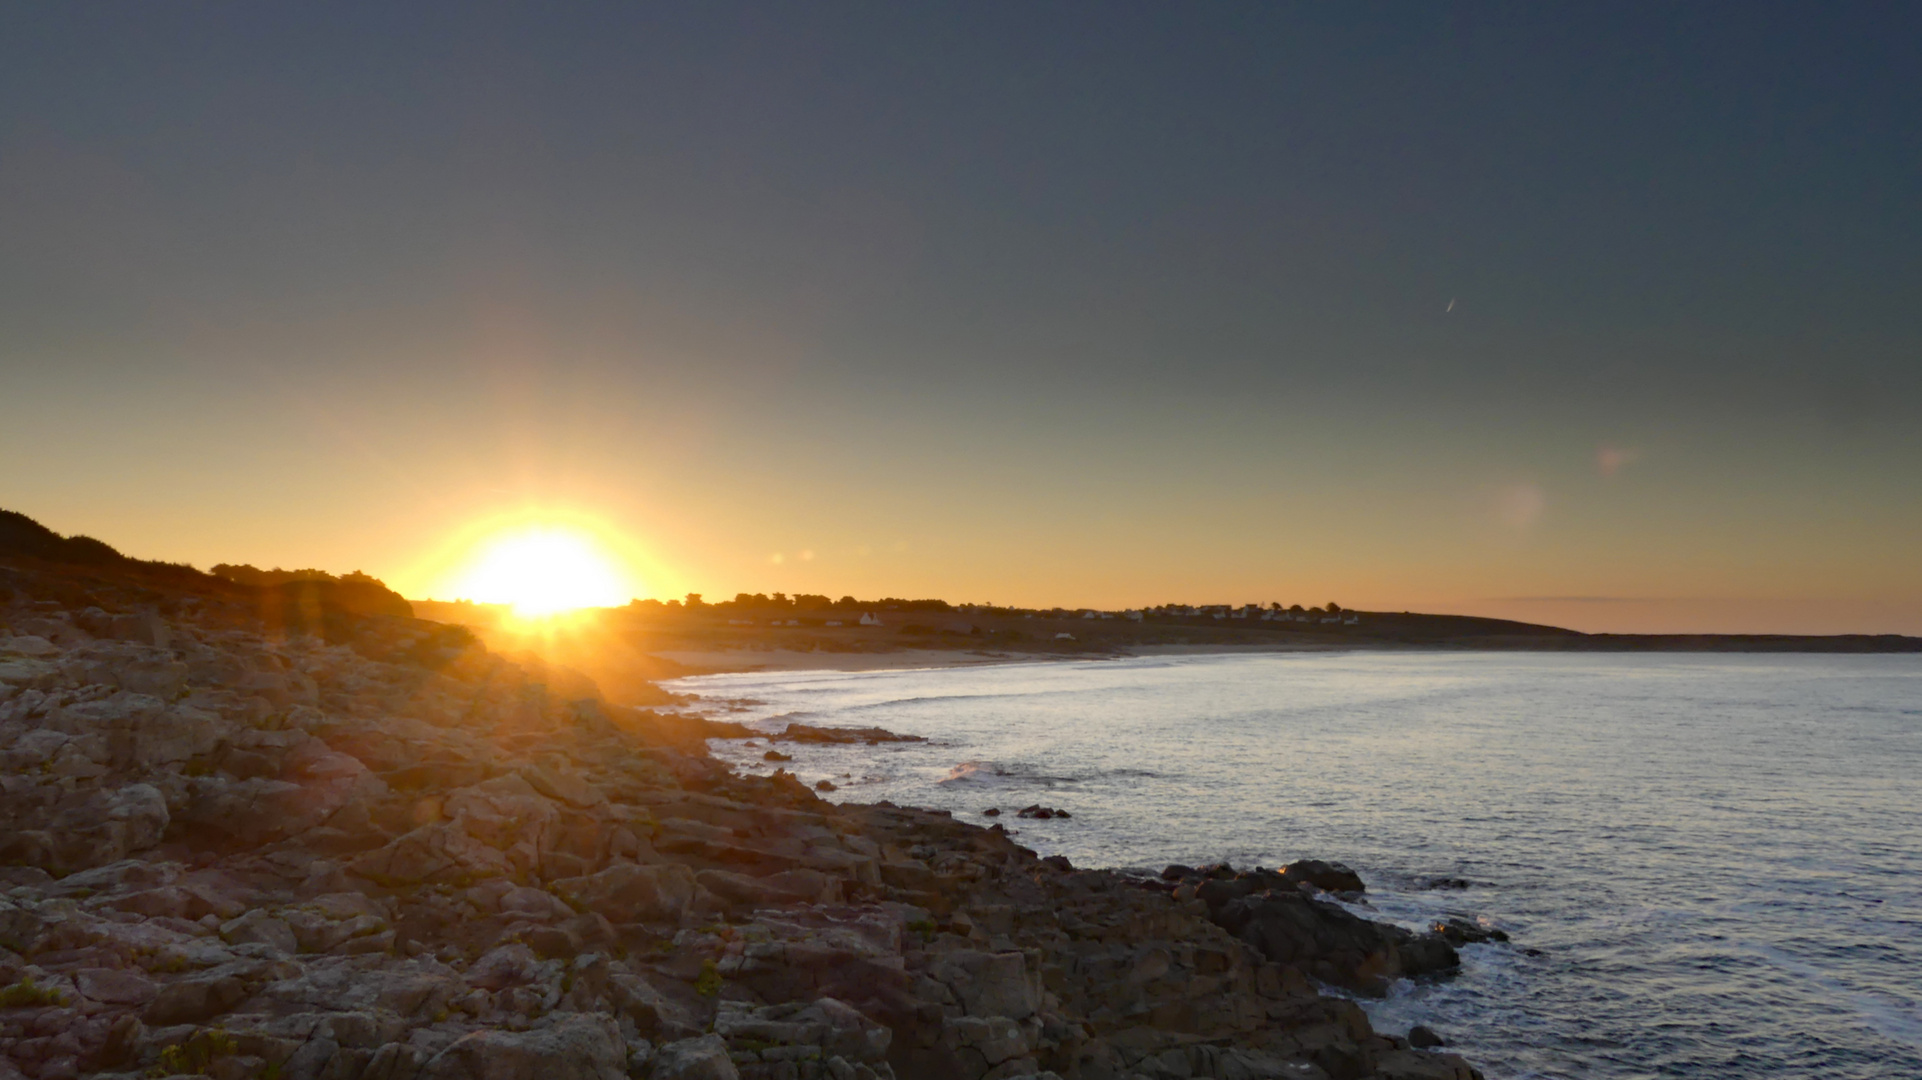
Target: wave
1896, 1020
993, 773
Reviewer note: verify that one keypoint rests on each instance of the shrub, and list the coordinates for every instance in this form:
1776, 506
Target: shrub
27, 994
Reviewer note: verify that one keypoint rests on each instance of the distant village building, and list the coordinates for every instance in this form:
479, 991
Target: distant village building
834, 622
870, 619
1135, 616
1064, 636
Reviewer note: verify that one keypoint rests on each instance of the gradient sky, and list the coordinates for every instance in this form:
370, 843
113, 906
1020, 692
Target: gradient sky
1607, 315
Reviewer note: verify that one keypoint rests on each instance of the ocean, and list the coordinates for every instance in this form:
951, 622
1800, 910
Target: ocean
1710, 865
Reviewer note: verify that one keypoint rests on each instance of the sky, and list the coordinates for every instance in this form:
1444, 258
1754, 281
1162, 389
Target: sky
1602, 315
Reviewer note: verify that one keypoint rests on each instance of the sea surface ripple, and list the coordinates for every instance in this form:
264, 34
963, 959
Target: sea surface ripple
1711, 866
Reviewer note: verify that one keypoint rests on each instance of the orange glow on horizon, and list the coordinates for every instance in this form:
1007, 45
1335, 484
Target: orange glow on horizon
540, 565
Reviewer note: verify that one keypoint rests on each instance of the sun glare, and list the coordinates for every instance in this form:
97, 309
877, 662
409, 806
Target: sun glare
542, 571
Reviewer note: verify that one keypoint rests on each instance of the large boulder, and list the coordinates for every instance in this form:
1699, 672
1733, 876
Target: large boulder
1327, 942
1327, 876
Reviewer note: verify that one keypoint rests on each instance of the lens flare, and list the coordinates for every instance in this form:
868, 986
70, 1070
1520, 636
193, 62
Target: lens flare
541, 571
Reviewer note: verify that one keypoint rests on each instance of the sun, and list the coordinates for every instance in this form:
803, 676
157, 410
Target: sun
542, 570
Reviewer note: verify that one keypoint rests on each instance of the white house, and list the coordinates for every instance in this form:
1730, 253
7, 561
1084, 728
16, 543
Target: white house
1064, 636
869, 618
834, 622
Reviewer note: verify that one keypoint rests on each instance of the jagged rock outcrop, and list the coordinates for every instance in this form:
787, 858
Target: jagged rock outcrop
365, 853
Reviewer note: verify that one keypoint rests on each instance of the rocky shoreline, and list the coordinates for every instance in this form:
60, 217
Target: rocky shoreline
361, 847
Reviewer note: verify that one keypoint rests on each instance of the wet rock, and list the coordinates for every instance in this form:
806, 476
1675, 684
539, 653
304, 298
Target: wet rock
1327, 876
1042, 813
1424, 1038
776, 755
807, 733
1459, 931
1422, 1065
1326, 942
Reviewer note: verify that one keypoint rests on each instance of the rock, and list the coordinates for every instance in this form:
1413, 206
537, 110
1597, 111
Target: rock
115, 986
654, 1014
831, 1026
1326, 876
394, 1061
138, 814
439, 852
626, 892
574, 1047
1459, 931
1424, 1038
534, 904
563, 786
703, 1058
1422, 1065
390, 854
195, 999
989, 984
788, 887
824, 785
504, 966
1327, 942
258, 927
28, 645
808, 733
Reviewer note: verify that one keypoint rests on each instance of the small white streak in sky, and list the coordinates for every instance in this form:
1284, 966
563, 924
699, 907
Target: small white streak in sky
1451, 305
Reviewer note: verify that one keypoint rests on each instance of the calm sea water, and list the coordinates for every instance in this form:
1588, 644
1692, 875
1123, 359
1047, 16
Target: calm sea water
1715, 860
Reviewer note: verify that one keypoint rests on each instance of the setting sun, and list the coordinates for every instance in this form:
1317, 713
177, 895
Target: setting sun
541, 571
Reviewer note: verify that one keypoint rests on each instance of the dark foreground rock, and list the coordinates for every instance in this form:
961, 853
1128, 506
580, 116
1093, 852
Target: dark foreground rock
241, 849
808, 733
